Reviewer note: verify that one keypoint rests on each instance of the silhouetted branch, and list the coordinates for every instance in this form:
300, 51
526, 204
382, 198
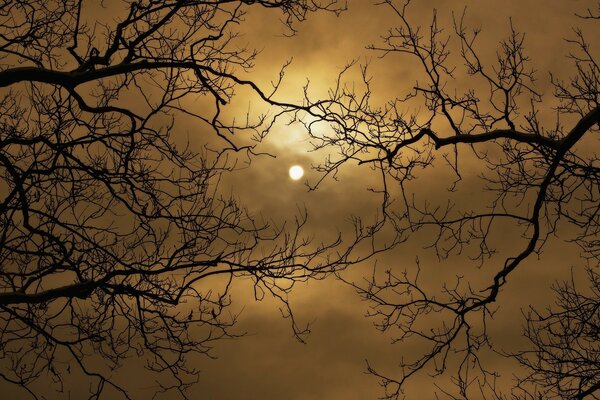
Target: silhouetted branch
115, 241
564, 360
534, 175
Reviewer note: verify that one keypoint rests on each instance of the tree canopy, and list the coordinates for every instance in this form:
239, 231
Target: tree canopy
118, 248
537, 178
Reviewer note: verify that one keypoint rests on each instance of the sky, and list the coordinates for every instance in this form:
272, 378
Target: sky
268, 362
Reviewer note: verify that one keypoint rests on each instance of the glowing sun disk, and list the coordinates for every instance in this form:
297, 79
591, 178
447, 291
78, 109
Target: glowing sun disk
296, 172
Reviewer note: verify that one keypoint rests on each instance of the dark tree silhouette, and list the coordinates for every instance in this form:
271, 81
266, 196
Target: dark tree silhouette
564, 361
540, 178
115, 243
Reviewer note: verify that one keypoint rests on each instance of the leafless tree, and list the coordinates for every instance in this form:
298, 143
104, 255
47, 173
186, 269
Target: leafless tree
540, 178
115, 243
564, 361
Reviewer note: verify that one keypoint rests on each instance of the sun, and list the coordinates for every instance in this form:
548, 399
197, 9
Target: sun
296, 172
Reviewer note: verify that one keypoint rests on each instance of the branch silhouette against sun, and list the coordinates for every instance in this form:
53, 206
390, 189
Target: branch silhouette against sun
115, 242
538, 180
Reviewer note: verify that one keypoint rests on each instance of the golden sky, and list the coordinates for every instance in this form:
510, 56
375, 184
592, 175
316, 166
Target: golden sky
268, 362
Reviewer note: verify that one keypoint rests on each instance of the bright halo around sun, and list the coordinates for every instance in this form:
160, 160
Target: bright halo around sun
296, 172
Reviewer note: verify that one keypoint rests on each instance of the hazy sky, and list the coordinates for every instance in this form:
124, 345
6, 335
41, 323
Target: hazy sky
269, 363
